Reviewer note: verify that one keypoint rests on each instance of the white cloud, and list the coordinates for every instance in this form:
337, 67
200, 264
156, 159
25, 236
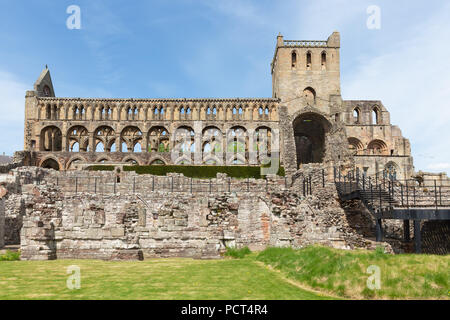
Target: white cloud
439, 166
12, 106
411, 77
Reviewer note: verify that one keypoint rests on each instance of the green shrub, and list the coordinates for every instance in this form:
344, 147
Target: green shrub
202, 171
10, 256
237, 253
100, 168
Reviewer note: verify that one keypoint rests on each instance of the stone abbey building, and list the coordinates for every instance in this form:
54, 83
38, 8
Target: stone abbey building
305, 121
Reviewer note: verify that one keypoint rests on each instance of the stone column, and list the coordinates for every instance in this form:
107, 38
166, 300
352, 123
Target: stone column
252, 159
198, 142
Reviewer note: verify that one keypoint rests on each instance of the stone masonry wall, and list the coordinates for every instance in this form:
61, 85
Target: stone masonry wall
158, 224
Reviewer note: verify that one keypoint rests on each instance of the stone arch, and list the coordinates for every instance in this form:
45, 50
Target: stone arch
131, 159
355, 146
323, 60
237, 144
377, 147
184, 144
130, 135
103, 158
310, 129
390, 171
78, 134
50, 139
309, 95
262, 142
212, 143
293, 58
50, 163
157, 161
158, 139
375, 115
74, 160
105, 135
356, 115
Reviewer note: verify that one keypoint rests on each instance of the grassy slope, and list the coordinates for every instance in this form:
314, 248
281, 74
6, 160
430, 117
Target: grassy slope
150, 279
344, 272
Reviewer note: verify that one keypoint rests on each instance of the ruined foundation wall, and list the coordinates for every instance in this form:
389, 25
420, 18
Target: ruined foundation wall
181, 224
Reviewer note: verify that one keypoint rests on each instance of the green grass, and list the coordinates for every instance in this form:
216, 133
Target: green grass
10, 256
234, 279
344, 273
237, 253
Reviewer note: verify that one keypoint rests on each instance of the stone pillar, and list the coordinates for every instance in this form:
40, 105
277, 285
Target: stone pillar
145, 147
252, 155
198, 156
2, 221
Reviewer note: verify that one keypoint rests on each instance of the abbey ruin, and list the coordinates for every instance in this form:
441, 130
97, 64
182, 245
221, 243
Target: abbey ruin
56, 208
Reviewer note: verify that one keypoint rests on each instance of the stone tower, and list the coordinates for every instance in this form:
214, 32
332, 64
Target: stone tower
307, 73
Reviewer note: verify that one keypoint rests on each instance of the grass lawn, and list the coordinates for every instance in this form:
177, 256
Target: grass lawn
275, 273
234, 279
345, 273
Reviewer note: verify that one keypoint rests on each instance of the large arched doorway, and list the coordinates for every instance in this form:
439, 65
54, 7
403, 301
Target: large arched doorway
309, 132
50, 163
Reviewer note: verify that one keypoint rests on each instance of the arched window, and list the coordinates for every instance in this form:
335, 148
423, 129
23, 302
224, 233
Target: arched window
375, 116
308, 60
309, 95
356, 115
294, 59
324, 60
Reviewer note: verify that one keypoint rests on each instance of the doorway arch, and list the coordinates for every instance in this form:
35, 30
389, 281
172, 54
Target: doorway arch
309, 132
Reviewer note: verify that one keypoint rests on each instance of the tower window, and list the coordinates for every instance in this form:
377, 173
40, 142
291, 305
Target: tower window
324, 60
308, 61
294, 59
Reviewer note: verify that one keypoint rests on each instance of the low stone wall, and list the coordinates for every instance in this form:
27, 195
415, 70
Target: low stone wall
165, 224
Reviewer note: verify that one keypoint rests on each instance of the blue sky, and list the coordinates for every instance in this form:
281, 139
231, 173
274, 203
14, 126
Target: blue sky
213, 48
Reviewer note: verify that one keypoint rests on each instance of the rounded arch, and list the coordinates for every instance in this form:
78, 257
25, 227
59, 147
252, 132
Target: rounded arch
157, 161
309, 95
310, 129
103, 159
50, 163
375, 115
262, 143
377, 147
74, 160
323, 60
357, 115
294, 58
78, 134
355, 146
51, 139
106, 135
158, 139
131, 159
130, 136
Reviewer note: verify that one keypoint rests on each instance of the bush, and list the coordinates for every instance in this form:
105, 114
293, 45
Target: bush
100, 168
237, 253
202, 171
10, 256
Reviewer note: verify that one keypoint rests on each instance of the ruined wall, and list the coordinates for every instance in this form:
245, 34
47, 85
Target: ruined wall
58, 224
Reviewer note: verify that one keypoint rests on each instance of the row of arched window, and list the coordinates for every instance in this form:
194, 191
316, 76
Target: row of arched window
236, 140
136, 113
375, 147
308, 60
375, 116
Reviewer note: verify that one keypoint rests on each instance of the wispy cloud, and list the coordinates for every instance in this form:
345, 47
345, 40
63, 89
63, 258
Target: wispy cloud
12, 93
411, 77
